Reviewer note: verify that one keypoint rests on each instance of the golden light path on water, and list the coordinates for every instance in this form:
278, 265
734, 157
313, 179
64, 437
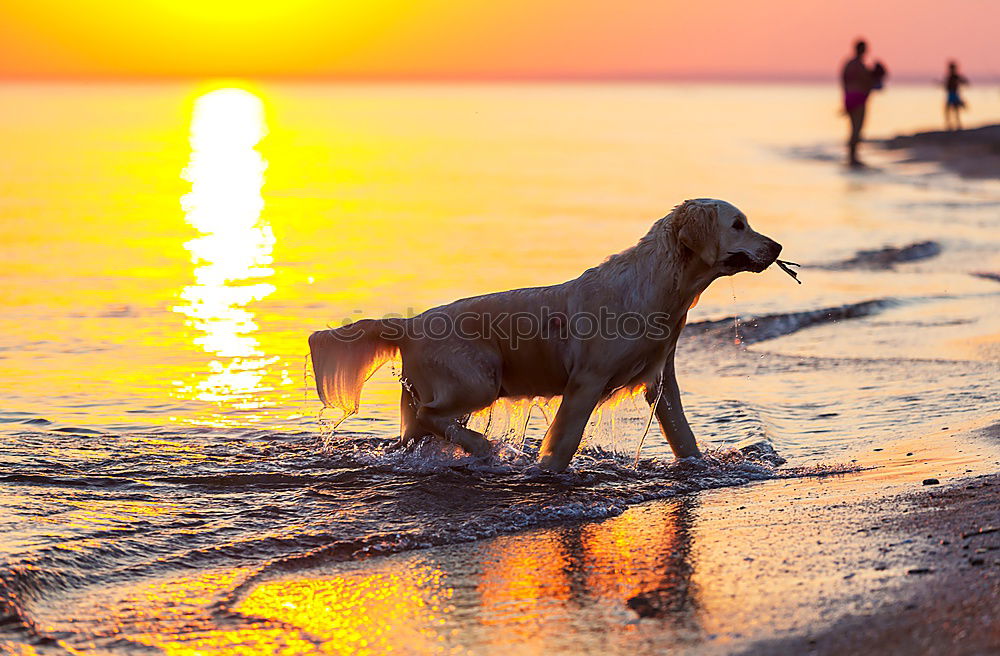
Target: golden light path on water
233, 251
410, 603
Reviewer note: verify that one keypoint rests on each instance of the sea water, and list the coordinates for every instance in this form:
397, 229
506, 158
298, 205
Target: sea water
168, 248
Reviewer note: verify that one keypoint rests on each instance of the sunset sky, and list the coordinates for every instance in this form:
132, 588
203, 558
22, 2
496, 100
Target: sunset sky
491, 38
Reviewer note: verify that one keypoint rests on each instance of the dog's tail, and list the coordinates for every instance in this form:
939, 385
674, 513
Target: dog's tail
344, 358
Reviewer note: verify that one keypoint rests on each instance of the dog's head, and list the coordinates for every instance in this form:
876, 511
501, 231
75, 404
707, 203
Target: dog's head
720, 236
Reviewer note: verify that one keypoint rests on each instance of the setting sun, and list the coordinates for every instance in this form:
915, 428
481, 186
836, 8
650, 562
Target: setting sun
513, 39
225, 13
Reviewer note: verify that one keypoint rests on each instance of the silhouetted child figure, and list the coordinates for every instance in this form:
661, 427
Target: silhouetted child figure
954, 104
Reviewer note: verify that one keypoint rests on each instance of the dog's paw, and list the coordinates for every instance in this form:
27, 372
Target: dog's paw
476, 445
553, 463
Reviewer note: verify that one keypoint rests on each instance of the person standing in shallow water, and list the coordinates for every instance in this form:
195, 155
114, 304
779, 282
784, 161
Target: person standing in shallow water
953, 105
858, 81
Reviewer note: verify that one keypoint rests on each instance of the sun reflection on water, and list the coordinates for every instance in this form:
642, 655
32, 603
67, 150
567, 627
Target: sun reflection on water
233, 252
399, 610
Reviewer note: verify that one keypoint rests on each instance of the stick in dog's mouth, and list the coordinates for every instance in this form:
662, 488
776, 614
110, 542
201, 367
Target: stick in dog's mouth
784, 264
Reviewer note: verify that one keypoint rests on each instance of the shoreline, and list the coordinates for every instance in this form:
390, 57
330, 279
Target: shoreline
951, 606
970, 153
811, 565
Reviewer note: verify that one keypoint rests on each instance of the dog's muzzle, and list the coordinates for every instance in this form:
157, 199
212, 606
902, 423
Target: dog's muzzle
763, 258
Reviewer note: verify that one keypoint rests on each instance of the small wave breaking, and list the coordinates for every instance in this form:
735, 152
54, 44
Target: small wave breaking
885, 258
356, 499
771, 326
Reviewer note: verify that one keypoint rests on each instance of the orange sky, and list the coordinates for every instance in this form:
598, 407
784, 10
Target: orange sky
491, 38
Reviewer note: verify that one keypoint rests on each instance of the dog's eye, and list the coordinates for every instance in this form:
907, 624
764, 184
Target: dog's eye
738, 225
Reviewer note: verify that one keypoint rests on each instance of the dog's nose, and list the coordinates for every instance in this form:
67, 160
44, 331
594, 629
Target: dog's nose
773, 249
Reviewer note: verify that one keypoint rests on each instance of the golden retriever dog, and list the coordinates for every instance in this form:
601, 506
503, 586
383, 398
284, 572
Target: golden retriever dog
613, 328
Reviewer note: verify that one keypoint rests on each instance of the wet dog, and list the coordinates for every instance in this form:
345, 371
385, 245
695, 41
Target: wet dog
613, 328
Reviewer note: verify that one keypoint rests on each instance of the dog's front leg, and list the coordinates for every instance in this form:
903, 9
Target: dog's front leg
580, 397
670, 413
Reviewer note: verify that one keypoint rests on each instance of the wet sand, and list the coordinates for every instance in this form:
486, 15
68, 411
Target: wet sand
971, 153
850, 563
952, 608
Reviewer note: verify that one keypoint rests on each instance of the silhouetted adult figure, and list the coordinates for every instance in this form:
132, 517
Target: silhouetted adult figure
858, 81
953, 104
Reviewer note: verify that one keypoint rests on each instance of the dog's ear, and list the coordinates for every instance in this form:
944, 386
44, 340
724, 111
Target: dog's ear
697, 229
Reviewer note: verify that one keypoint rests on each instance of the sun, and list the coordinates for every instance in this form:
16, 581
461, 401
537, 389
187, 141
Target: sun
210, 38
230, 12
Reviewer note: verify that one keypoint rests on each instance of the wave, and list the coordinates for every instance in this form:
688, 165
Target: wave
518, 495
356, 499
987, 275
885, 258
771, 326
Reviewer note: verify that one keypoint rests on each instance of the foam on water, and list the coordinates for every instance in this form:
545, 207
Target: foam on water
279, 501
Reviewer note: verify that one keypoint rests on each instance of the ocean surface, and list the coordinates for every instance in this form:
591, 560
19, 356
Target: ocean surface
168, 248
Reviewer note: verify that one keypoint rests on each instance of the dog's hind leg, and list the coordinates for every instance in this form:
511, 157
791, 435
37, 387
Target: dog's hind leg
410, 429
451, 429
562, 440
448, 389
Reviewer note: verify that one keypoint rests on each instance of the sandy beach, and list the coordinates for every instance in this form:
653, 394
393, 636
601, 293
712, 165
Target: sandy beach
951, 604
972, 152
879, 559
944, 541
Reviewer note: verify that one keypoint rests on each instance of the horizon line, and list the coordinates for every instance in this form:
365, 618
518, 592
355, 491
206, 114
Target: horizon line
497, 78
